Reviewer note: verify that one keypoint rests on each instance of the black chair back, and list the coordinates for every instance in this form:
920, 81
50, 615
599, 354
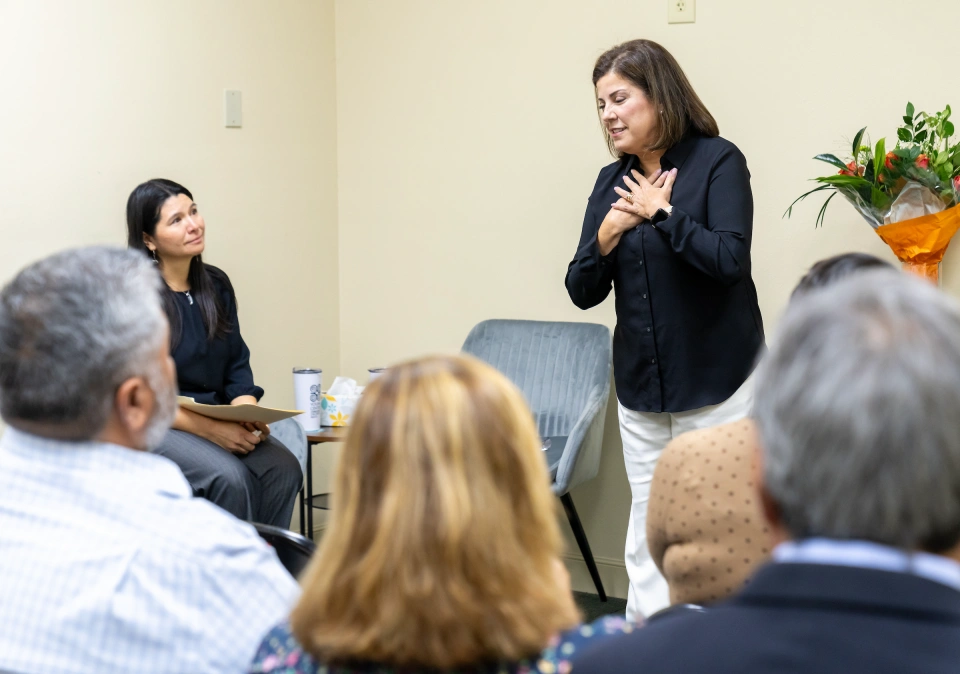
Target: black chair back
293, 549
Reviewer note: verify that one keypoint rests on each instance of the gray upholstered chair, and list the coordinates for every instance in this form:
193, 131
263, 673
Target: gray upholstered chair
290, 434
563, 370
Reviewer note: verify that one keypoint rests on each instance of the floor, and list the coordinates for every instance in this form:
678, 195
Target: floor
592, 608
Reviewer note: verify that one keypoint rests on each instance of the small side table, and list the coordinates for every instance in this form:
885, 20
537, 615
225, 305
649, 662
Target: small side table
309, 500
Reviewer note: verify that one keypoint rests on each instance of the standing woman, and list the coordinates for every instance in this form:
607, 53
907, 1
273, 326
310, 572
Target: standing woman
668, 226
240, 467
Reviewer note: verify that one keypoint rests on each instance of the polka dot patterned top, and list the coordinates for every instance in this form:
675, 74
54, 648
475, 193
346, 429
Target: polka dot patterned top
705, 527
280, 653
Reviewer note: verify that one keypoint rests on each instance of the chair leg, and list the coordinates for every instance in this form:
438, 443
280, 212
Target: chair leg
303, 513
582, 542
308, 490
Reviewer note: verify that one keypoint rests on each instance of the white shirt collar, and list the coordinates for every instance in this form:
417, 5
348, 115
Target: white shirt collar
125, 469
867, 555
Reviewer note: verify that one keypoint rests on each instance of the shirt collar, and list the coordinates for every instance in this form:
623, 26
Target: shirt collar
674, 157
867, 555
125, 468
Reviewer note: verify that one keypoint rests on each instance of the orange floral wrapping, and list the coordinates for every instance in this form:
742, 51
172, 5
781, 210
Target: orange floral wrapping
919, 243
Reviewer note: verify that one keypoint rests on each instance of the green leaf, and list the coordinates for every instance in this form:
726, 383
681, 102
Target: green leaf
947, 129
855, 182
920, 137
910, 110
803, 196
833, 160
823, 211
947, 112
879, 199
856, 141
879, 157
908, 120
948, 168
904, 135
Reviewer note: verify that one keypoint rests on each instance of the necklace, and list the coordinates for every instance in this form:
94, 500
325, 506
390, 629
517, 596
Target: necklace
189, 297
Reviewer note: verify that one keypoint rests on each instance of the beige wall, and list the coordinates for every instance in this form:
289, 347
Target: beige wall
431, 169
102, 94
468, 143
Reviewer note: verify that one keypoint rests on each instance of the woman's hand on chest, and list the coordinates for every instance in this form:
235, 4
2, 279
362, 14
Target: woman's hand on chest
644, 198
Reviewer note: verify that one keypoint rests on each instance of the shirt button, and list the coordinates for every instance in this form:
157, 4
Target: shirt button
644, 295
653, 360
641, 263
648, 329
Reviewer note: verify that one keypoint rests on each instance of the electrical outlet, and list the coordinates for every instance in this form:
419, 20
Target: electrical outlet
681, 11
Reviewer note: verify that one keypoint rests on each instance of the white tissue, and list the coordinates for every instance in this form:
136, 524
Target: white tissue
344, 386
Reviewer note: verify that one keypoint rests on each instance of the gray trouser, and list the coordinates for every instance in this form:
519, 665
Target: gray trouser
260, 486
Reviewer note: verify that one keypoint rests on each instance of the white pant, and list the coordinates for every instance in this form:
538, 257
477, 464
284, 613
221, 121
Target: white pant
644, 436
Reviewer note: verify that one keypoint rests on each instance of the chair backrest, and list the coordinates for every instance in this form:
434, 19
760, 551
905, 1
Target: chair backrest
563, 369
293, 549
555, 364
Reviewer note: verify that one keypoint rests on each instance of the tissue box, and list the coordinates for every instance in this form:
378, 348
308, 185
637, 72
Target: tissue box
337, 410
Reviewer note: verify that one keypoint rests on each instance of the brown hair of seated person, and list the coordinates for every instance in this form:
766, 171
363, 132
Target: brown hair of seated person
443, 545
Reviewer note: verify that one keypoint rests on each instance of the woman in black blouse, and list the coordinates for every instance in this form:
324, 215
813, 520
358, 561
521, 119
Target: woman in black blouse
238, 466
668, 227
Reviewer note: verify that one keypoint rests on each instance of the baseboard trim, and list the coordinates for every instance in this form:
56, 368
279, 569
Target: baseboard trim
613, 575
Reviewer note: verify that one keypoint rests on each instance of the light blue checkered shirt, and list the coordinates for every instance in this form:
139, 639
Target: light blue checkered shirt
108, 564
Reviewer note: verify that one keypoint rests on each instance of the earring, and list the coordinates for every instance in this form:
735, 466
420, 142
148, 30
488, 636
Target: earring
155, 260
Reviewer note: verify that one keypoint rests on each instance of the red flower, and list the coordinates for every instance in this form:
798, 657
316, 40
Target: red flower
852, 169
923, 161
956, 183
889, 160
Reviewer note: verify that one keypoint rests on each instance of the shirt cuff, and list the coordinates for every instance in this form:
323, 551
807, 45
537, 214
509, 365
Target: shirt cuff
658, 223
236, 391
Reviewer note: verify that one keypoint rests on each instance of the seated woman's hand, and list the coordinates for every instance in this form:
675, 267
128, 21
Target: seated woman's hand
232, 436
254, 426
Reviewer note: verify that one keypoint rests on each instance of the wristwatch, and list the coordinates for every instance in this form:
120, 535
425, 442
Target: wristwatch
661, 214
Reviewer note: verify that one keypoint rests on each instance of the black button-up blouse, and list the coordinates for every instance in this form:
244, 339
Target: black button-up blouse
688, 323
212, 372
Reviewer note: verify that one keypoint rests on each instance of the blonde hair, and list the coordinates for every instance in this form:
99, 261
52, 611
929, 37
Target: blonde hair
443, 539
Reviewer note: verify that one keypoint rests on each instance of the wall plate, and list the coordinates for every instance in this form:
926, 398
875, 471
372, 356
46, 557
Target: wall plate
681, 11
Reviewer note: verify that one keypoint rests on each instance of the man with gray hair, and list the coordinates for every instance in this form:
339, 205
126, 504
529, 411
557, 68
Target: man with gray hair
858, 409
107, 562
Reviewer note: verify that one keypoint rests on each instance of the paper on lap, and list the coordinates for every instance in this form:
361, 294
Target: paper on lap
267, 415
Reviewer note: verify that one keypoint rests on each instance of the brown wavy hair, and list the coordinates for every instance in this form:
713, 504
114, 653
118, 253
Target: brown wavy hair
654, 70
443, 542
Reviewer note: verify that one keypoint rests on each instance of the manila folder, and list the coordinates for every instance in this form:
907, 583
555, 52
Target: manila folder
248, 412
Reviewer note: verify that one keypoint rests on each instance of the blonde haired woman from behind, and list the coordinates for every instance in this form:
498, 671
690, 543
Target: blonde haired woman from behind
443, 550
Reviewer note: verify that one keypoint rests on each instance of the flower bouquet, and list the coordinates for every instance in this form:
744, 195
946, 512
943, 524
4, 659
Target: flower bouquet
909, 195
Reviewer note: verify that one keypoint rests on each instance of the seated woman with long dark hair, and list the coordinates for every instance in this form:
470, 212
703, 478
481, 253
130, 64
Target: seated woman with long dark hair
442, 551
238, 466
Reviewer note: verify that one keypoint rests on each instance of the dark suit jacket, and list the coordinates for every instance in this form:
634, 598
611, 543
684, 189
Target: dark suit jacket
793, 618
